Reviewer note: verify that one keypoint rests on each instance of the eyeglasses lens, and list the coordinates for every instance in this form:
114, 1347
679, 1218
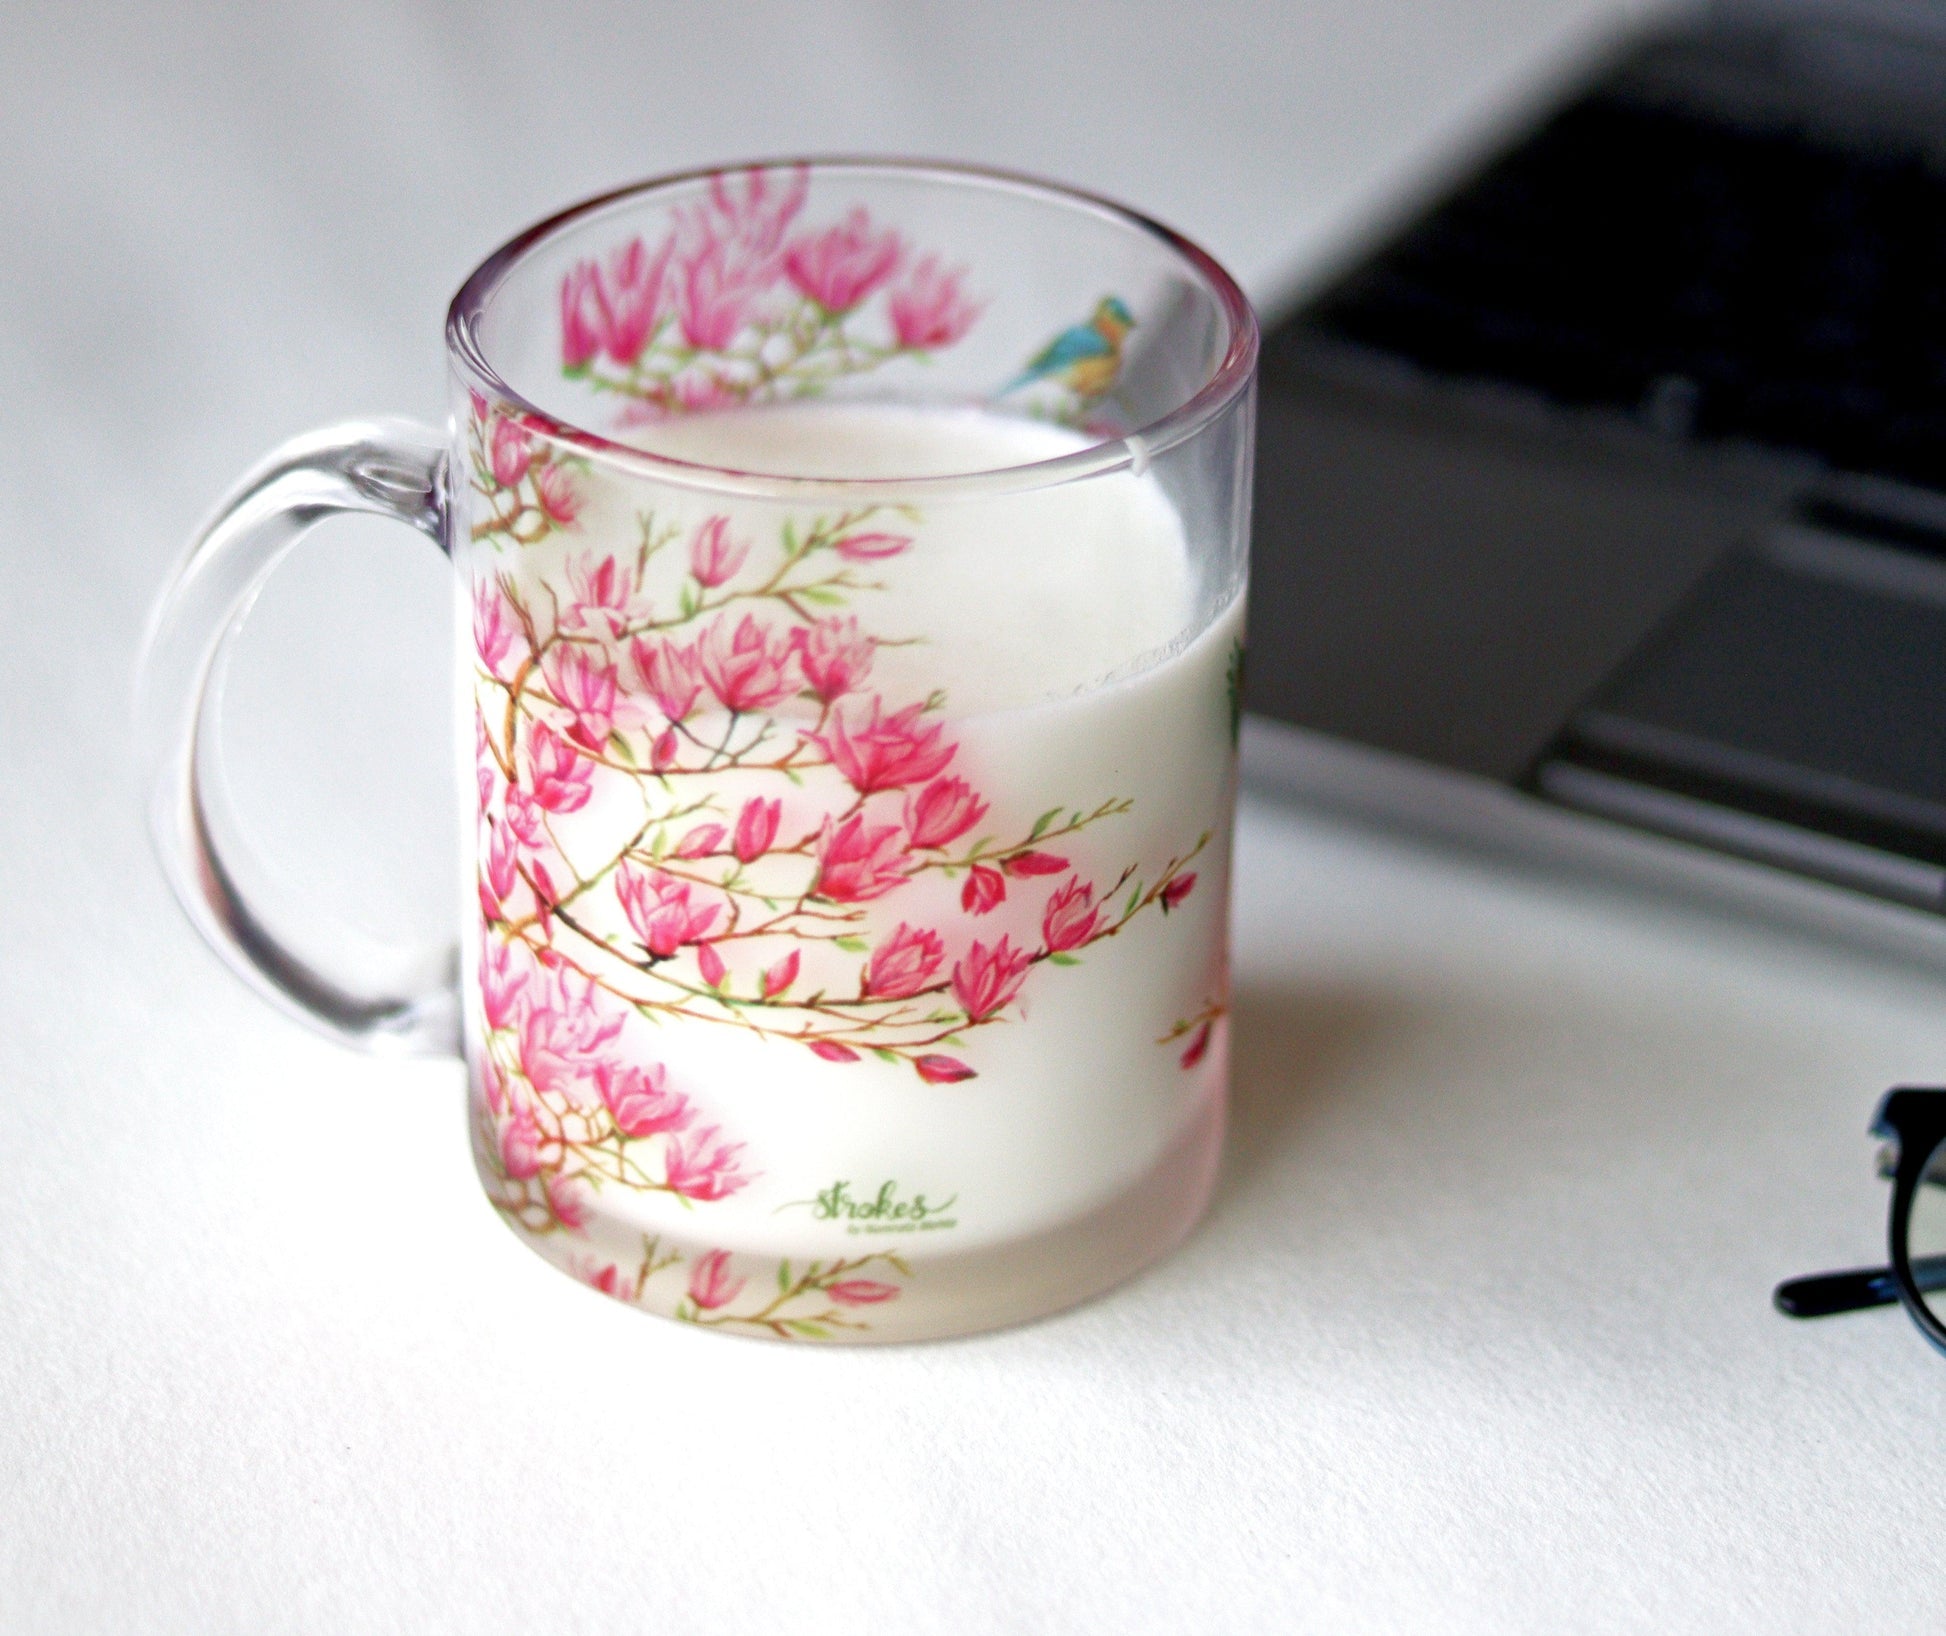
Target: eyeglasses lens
1926, 1234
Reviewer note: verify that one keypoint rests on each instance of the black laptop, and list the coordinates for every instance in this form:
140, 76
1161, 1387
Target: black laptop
1618, 477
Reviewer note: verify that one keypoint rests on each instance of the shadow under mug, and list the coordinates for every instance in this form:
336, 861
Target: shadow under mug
850, 559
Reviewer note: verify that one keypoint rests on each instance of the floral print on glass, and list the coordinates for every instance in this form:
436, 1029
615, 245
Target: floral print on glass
740, 301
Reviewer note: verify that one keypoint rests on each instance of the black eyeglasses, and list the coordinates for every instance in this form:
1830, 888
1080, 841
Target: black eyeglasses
1912, 1123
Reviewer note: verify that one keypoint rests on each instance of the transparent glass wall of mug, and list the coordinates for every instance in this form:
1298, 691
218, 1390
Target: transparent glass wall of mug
851, 712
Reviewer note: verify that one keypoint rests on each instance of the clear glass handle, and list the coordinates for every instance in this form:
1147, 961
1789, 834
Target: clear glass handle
378, 996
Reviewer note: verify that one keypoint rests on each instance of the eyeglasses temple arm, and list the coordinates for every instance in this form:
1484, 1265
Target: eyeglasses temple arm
1825, 1293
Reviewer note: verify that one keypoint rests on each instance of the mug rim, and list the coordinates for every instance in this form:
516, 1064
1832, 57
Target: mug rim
1229, 381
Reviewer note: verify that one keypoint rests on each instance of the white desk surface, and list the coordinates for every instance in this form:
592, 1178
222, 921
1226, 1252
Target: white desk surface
1477, 1337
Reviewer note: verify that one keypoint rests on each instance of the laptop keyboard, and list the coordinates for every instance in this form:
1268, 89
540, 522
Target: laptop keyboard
1712, 281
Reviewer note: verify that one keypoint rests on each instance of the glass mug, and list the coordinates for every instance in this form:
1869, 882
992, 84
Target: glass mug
850, 565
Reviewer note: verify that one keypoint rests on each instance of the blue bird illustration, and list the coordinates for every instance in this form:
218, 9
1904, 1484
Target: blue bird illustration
1085, 358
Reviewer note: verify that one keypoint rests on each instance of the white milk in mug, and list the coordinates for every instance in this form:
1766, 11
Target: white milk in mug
852, 874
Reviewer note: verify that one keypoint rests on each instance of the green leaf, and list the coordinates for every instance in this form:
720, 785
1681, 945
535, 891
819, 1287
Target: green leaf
1063, 960
783, 1275
790, 538
884, 1055
1041, 823
688, 601
851, 945
823, 598
804, 1327
1134, 897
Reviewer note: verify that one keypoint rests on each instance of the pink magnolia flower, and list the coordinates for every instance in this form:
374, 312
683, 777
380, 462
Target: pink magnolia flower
710, 1283
629, 297
988, 978
545, 897
757, 215
879, 752
604, 593
561, 780
523, 815
832, 1051
1034, 863
834, 657
1177, 890
699, 842
639, 1099
558, 496
493, 626
581, 319
700, 1164
712, 301
710, 964
605, 1277
732, 252
591, 1015
662, 753
928, 309
499, 872
757, 827
562, 1033
745, 667
503, 979
520, 1146
841, 266
942, 812
567, 1200
870, 547
781, 975
662, 910
582, 684
714, 557
942, 1070
860, 1292
984, 889
550, 1054
857, 861
671, 675
613, 309
1070, 917
511, 452
903, 964
1199, 1045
